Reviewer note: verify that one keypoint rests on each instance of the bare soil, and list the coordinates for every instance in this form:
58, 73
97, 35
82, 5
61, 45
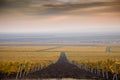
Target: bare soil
62, 69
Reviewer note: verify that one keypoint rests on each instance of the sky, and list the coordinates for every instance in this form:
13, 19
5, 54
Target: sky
59, 16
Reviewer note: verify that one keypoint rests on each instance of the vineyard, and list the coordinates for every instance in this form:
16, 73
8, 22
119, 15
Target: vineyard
18, 61
25, 57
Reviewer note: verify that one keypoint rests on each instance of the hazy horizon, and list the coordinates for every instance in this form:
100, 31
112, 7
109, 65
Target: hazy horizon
37, 39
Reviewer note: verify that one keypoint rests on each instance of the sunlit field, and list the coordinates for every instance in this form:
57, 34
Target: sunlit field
94, 56
13, 56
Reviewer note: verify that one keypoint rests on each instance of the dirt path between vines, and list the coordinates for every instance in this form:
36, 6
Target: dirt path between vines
62, 69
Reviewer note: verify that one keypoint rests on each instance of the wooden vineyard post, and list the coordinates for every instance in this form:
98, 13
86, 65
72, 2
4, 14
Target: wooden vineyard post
107, 77
85, 67
115, 77
38, 67
35, 68
81, 66
28, 70
25, 70
32, 69
103, 75
95, 70
98, 70
91, 70
21, 71
18, 71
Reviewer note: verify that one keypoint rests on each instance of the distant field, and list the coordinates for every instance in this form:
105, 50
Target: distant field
90, 53
23, 48
37, 53
80, 48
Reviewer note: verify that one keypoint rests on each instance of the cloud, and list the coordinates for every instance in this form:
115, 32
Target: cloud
52, 16
51, 7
